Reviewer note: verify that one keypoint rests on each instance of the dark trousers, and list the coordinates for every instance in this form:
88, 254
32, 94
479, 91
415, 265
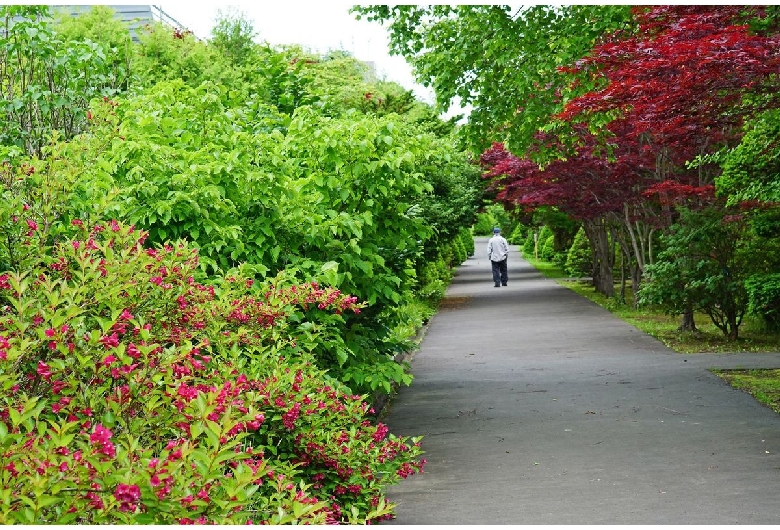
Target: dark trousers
499, 272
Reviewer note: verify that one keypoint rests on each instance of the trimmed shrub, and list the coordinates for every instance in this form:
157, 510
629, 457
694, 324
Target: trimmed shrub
518, 235
529, 245
579, 260
547, 248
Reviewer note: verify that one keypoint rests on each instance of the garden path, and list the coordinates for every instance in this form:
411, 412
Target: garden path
539, 407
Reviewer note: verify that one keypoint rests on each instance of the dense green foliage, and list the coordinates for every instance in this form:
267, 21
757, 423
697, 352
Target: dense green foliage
579, 258
703, 266
501, 60
617, 117
212, 253
751, 170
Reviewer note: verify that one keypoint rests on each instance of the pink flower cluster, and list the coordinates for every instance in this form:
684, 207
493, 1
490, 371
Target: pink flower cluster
101, 441
128, 496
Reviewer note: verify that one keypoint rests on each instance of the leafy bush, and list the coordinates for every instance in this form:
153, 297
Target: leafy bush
559, 258
485, 224
50, 82
133, 394
518, 235
460, 254
467, 239
529, 244
763, 291
579, 259
547, 248
703, 267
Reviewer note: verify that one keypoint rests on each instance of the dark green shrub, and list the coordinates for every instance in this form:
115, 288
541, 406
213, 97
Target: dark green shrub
529, 244
467, 239
460, 252
559, 258
547, 248
518, 235
763, 292
579, 260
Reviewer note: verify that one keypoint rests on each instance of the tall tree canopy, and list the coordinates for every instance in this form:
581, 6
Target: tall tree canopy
689, 75
502, 61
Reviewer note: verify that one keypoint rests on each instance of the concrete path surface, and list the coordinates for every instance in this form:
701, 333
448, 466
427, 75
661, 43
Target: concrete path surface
536, 406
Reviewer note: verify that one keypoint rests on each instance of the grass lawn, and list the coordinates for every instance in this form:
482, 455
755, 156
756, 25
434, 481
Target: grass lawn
763, 384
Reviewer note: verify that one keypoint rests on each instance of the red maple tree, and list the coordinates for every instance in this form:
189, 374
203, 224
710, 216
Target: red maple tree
684, 75
678, 87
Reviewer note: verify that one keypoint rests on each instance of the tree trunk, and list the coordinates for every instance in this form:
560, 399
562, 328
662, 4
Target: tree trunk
636, 279
687, 323
603, 256
622, 277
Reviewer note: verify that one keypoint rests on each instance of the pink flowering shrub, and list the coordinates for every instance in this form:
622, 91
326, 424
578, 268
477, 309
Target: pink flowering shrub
133, 394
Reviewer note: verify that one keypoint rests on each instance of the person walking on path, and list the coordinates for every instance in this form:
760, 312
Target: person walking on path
497, 250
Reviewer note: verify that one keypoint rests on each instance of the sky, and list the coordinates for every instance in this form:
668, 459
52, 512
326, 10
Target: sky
319, 26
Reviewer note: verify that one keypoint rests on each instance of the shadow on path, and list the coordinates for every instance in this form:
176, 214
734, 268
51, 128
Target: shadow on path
539, 407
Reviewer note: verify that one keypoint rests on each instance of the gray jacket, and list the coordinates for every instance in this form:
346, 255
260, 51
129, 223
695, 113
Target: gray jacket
497, 248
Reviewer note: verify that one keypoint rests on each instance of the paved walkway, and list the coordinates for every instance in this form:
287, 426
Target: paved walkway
539, 407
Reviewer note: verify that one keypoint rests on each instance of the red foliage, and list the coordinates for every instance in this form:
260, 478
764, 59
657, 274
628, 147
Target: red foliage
683, 76
678, 84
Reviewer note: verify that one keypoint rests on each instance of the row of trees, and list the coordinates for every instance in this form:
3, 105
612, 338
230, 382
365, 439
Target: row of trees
210, 255
653, 128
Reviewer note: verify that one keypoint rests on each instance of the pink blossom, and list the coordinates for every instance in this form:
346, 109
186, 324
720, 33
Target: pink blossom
289, 417
96, 501
32, 224
132, 351
187, 392
110, 341
128, 495
108, 359
43, 370
100, 434
101, 439
381, 432
12, 469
